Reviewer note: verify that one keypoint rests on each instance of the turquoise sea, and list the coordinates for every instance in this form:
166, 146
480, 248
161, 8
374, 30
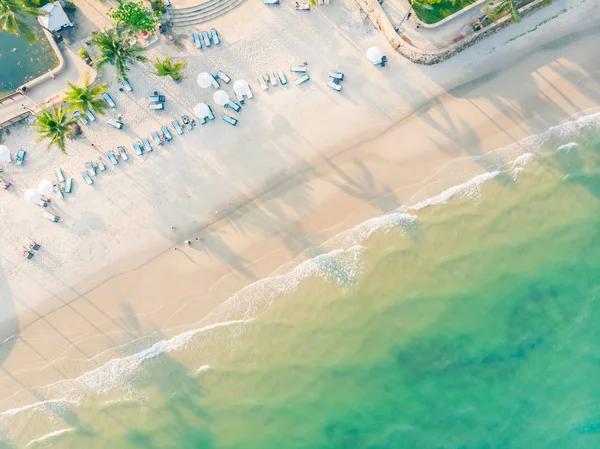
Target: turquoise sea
467, 320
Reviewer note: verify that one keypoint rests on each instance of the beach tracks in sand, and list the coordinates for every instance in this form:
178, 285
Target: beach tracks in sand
202, 12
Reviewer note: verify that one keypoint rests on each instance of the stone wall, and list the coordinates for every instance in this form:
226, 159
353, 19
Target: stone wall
376, 14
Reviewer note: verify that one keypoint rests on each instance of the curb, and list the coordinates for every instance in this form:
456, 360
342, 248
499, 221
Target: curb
376, 14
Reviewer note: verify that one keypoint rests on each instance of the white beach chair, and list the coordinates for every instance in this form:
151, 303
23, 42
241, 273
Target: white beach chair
261, 81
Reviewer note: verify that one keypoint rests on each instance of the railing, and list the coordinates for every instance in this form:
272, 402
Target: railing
10, 97
16, 119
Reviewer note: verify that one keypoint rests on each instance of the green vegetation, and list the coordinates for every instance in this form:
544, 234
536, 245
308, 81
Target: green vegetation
432, 11
53, 125
135, 16
117, 46
12, 18
87, 96
166, 67
83, 53
502, 8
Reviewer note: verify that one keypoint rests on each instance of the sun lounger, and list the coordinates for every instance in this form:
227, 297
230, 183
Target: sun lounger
86, 178
80, 117
112, 158
116, 124
157, 98
186, 121
337, 76
127, 86
101, 165
59, 175
21, 157
69, 185
156, 106
232, 121
58, 191
249, 95
122, 153
261, 81
282, 77
272, 79
177, 127
197, 40
335, 86
108, 99
206, 38
138, 148
32, 245
156, 138
25, 252
303, 6
52, 217
166, 133
91, 115
236, 107
303, 79
298, 69
240, 98
224, 77
211, 116
271, 2
90, 168
147, 145
215, 37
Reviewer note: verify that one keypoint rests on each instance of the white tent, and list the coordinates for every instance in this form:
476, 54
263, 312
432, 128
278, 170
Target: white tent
55, 19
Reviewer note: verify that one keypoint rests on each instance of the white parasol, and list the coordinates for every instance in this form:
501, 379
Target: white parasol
201, 110
45, 187
32, 196
205, 80
4, 154
241, 87
221, 97
374, 55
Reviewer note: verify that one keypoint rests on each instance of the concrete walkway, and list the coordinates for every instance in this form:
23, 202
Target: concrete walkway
436, 36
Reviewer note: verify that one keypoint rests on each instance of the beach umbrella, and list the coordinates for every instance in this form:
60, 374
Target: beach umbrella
32, 196
4, 154
201, 110
45, 187
241, 87
221, 97
374, 55
206, 80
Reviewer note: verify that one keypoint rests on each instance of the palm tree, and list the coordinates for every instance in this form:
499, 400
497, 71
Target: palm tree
501, 7
116, 48
166, 67
12, 15
87, 96
54, 125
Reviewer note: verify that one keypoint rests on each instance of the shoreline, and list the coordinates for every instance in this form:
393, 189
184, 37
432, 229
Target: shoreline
272, 238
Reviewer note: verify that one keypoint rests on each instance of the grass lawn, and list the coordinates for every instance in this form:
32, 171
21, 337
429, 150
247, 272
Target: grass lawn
440, 10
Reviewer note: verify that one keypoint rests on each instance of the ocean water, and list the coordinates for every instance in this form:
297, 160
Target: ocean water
467, 319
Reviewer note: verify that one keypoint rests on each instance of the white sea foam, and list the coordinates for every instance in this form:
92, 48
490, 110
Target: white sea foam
117, 372
467, 189
52, 404
362, 232
48, 436
202, 369
523, 160
567, 147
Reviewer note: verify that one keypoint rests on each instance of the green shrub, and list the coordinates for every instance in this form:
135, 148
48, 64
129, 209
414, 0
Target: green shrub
83, 53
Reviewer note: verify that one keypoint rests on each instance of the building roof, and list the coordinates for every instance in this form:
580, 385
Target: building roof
56, 17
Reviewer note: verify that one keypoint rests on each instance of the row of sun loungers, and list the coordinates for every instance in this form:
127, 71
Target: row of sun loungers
28, 248
198, 40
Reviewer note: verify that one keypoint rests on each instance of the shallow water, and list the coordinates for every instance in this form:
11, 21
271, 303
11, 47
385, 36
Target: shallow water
467, 321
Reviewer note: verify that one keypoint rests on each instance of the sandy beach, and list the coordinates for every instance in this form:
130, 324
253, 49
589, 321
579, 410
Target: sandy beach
303, 164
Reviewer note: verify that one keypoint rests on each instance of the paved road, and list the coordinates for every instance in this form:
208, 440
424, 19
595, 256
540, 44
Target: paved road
435, 37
